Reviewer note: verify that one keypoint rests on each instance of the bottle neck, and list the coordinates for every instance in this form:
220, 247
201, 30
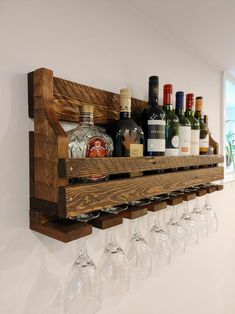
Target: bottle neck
167, 102
198, 114
153, 95
179, 112
189, 112
125, 115
86, 118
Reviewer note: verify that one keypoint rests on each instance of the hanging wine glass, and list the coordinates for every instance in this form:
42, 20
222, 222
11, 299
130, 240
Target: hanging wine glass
187, 222
199, 216
175, 230
138, 252
211, 217
82, 290
159, 241
113, 267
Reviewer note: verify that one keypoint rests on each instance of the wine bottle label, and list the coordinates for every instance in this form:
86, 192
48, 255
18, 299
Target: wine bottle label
97, 147
156, 136
194, 147
184, 140
136, 150
204, 144
172, 152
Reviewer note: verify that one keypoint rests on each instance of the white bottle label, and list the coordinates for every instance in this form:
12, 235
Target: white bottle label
194, 148
184, 140
156, 136
172, 152
204, 144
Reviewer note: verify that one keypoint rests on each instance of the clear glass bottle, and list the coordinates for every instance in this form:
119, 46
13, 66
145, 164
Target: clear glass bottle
89, 141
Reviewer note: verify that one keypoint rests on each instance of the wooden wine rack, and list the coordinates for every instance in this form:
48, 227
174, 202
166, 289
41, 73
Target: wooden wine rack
53, 200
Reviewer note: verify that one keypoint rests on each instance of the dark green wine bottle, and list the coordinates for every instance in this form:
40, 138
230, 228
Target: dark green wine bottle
195, 126
172, 123
184, 126
204, 131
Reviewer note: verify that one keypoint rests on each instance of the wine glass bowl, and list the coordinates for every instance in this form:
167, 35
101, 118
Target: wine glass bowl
82, 290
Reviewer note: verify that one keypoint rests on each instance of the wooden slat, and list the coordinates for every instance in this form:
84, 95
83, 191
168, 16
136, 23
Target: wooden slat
175, 200
82, 167
69, 96
134, 212
106, 221
50, 140
77, 199
64, 231
155, 206
189, 196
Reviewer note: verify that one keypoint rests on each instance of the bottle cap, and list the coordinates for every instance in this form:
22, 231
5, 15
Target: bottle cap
199, 103
87, 108
125, 100
189, 101
179, 100
167, 88
154, 79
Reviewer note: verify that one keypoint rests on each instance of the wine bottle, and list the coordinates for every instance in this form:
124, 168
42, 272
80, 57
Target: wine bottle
184, 126
195, 126
129, 138
172, 123
153, 122
204, 131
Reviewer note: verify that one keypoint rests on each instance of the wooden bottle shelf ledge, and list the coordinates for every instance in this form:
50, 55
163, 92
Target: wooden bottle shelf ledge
84, 167
53, 199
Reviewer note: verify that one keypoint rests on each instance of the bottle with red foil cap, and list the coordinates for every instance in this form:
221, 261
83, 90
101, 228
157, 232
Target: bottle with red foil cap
172, 123
195, 125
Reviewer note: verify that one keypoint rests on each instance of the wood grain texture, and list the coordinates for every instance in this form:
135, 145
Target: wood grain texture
64, 231
81, 167
189, 196
134, 212
201, 192
106, 221
82, 198
69, 96
155, 206
176, 200
219, 187
50, 140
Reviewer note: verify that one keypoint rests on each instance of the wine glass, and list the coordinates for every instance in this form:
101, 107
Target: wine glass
82, 290
175, 230
138, 252
212, 221
159, 241
188, 224
113, 267
199, 217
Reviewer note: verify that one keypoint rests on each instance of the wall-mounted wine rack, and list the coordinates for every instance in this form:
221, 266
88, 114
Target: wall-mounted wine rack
54, 200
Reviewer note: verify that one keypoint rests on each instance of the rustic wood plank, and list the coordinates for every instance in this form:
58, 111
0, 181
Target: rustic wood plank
158, 205
189, 196
63, 230
82, 198
31, 164
81, 167
105, 221
134, 212
69, 96
176, 200
31, 95
50, 140
219, 187
201, 192
214, 144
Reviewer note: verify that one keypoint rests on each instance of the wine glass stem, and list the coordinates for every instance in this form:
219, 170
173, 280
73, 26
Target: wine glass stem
137, 226
174, 212
186, 208
197, 203
156, 219
82, 247
207, 200
111, 235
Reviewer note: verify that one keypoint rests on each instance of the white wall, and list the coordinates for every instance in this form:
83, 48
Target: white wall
108, 45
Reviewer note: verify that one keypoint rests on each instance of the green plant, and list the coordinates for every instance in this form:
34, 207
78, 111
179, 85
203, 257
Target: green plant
230, 141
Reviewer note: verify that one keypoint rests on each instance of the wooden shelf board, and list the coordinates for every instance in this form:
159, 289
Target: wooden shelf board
82, 167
